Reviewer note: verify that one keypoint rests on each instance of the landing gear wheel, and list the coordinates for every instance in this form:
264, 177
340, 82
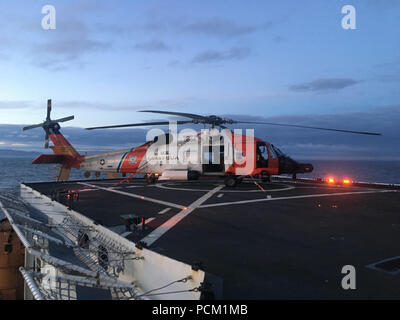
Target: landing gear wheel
151, 179
193, 175
230, 181
294, 176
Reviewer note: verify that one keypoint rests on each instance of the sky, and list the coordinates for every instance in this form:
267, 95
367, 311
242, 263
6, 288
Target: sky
284, 61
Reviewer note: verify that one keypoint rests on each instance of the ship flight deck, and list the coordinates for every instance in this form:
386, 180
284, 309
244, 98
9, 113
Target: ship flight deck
280, 240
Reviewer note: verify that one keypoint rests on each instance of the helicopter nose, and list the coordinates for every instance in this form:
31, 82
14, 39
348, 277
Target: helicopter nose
305, 168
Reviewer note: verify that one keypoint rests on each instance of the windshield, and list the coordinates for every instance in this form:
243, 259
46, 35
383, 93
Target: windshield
277, 151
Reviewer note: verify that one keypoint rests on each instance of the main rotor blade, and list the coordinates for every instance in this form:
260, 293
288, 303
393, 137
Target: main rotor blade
159, 123
307, 127
187, 115
48, 109
32, 126
64, 119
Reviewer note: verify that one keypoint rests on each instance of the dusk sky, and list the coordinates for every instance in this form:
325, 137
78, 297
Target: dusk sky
283, 61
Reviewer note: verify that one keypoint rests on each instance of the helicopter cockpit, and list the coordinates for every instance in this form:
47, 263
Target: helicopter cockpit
262, 154
276, 151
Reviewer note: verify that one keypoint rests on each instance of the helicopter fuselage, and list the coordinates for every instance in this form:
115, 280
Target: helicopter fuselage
191, 156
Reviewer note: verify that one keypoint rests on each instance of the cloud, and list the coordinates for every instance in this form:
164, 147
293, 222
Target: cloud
387, 71
217, 56
14, 104
222, 28
324, 84
211, 27
66, 46
152, 46
83, 140
73, 105
19, 144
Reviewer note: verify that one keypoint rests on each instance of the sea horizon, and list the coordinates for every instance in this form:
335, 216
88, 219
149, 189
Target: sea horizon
13, 171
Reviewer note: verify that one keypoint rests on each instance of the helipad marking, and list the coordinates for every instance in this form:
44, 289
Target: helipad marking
373, 266
166, 203
293, 197
162, 186
157, 233
148, 221
164, 210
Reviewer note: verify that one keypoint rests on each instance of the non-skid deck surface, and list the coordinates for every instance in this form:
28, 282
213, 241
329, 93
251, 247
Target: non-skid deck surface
289, 241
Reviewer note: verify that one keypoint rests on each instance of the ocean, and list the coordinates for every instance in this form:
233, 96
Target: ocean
13, 171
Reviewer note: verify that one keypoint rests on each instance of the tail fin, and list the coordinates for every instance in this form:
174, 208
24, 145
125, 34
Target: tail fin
61, 145
64, 152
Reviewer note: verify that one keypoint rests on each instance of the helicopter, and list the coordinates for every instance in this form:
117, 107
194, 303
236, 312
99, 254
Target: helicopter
187, 155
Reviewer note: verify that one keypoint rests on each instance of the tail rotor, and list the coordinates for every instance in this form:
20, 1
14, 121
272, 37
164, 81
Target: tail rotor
49, 126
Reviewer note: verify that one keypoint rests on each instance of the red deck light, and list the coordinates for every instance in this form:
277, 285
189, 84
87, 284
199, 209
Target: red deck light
346, 181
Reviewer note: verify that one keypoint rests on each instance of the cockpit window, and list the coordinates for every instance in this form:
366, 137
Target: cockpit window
277, 151
263, 151
272, 152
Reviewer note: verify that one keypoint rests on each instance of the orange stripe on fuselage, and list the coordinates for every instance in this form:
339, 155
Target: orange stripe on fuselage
134, 158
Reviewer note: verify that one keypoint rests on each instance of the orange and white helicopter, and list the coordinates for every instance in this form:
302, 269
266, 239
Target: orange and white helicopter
186, 155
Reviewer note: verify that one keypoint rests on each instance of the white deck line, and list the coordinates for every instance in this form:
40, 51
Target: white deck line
164, 210
293, 197
162, 186
165, 203
157, 233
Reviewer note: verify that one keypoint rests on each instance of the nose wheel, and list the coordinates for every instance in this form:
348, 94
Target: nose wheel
231, 181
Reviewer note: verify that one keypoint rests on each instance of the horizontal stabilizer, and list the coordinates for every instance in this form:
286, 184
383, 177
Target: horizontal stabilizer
52, 158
